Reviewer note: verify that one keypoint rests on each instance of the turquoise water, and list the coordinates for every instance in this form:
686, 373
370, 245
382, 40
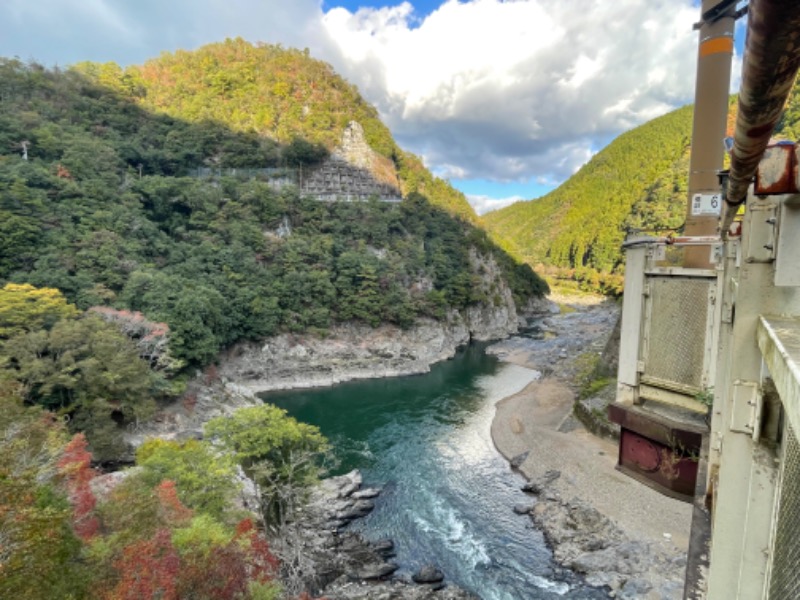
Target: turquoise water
448, 494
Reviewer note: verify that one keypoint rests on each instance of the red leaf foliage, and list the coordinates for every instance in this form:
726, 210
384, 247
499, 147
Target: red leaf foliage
75, 468
224, 574
149, 570
173, 510
261, 562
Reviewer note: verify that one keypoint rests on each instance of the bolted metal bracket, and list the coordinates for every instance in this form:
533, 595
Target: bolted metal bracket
747, 408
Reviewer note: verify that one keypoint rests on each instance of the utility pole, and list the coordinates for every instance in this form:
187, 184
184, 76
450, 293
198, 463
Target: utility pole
712, 89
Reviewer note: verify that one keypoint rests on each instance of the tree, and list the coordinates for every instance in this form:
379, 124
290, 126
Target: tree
220, 566
302, 153
149, 570
40, 555
204, 477
151, 338
77, 473
283, 456
158, 548
24, 308
87, 369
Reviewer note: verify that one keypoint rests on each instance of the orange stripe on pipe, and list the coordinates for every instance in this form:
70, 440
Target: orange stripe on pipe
716, 46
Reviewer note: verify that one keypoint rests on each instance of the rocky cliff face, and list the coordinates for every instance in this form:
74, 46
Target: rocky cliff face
358, 351
350, 351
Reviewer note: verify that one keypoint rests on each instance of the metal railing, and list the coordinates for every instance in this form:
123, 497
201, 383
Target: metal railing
779, 342
784, 581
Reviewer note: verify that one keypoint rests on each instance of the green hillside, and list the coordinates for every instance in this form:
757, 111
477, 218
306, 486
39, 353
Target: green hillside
278, 94
639, 180
95, 201
98, 209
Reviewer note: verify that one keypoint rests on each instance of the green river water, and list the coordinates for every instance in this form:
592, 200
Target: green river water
447, 493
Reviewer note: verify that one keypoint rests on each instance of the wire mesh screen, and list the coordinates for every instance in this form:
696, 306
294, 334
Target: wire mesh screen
676, 338
785, 579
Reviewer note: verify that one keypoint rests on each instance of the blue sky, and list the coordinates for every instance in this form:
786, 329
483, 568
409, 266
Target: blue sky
422, 8
503, 99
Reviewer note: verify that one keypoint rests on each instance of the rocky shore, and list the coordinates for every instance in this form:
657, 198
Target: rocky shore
599, 523
340, 564
357, 351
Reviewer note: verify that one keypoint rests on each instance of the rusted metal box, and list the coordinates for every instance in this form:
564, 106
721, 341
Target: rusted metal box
658, 465
657, 451
777, 172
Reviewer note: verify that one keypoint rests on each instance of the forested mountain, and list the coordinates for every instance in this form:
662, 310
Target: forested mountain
275, 93
122, 271
638, 182
96, 203
94, 200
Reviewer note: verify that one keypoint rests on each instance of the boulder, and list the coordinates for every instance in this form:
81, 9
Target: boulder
384, 547
517, 461
538, 485
366, 493
428, 574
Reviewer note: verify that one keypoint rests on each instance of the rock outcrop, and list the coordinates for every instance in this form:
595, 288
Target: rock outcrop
349, 351
357, 351
589, 543
342, 565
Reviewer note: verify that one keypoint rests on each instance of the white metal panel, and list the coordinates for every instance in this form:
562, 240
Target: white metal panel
787, 264
630, 331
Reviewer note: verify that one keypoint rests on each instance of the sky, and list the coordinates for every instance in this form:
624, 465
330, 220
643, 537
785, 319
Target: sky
505, 99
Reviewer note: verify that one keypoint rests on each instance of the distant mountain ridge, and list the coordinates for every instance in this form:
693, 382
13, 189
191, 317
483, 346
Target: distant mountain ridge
637, 182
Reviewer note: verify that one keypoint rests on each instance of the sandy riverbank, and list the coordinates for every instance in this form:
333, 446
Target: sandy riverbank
640, 518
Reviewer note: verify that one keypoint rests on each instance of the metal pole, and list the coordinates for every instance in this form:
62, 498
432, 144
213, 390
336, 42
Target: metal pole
714, 55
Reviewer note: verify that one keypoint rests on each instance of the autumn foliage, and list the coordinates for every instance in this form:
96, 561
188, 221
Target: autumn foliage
151, 337
173, 510
75, 468
134, 540
228, 570
161, 564
149, 569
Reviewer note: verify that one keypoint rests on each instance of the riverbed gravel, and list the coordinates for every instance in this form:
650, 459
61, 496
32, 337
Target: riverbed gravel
616, 531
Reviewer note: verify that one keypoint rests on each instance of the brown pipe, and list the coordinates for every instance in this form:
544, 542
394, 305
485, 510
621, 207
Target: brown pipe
771, 60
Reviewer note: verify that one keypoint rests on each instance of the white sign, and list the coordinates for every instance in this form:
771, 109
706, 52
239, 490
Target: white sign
706, 204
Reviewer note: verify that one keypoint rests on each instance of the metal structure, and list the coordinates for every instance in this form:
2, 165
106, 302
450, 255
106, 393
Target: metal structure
709, 379
669, 332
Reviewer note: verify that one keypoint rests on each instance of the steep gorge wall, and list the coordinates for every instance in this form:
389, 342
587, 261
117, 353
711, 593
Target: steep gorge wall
358, 351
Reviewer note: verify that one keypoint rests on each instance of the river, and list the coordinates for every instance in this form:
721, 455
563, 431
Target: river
448, 494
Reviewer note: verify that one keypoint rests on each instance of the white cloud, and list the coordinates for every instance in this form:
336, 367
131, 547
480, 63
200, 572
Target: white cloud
130, 32
484, 204
482, 88
506, 90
